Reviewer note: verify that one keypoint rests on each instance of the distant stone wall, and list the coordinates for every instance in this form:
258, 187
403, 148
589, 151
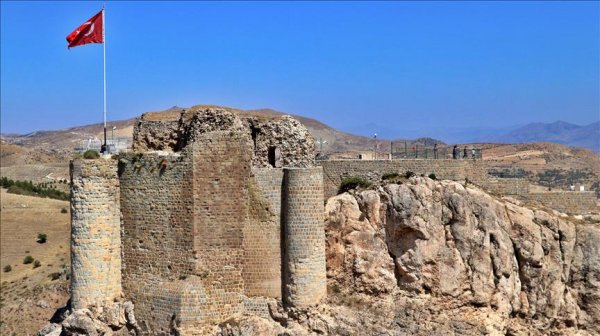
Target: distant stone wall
95, 233
572, 202
305, 281
457, 170
262, 235
508, 186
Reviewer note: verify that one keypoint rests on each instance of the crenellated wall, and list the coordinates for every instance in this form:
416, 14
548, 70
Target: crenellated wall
95, 233
304, 273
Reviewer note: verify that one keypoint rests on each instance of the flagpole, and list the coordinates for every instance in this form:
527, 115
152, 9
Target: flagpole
104, 54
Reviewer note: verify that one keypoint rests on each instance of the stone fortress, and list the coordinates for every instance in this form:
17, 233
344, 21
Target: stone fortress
215, 214
212, 215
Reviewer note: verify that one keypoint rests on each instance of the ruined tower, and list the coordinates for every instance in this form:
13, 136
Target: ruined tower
216, 213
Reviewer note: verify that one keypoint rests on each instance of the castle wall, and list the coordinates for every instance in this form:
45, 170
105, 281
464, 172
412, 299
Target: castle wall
262, 235
572, 202
508, 186
457, 170
158, 244
221, 205
304, 270
95, 233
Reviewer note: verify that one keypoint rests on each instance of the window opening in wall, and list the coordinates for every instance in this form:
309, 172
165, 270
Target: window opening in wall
272, 155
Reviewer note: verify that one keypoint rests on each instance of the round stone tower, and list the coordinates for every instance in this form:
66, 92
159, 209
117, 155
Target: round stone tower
304, 273
95, 233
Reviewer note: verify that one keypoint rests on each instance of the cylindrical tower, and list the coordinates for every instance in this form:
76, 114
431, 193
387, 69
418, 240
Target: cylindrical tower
95, 233
305, 280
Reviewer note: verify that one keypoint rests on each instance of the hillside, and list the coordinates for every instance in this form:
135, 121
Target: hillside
29, 294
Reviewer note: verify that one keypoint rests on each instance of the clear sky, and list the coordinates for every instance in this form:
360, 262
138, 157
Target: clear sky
398, 64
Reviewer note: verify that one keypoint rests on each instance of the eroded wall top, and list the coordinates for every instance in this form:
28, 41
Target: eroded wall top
277, 142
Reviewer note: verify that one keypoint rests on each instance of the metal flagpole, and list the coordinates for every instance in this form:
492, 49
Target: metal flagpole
105, 148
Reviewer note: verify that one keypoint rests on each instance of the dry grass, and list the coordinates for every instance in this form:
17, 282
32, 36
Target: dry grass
22, 218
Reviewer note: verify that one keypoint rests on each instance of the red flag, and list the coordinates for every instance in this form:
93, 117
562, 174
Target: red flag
90, 32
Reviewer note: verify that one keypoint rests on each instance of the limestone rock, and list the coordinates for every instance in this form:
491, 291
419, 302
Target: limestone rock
50, 329
462, 261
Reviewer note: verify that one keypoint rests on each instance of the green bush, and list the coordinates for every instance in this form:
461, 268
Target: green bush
409, 174
389, 176
42, 238
37, 264
7, 268
353, 182
64, 210
91, 154
432, 176
28, 260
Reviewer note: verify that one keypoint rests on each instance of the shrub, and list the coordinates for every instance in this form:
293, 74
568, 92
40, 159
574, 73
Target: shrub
37, 264
432, 176
389, 176
91, 154
64, 210
54, 275
409, 174
7, 268
28, 260
353, 182
42, 238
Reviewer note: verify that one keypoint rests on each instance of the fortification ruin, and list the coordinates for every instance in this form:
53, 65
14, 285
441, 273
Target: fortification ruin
211, 216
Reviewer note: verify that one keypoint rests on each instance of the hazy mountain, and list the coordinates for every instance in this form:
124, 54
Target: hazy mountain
561, 132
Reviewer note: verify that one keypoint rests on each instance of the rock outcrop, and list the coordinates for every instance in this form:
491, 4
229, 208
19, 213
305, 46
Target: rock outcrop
458, 254
113, 319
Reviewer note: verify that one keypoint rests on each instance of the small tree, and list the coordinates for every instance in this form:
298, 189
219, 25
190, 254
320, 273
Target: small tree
37, 264
91, 154
28, 260
7, 268
432, 176
409, 174
352, 183
64, 210
42, 238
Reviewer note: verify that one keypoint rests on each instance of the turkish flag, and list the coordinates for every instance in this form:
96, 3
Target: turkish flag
90, 32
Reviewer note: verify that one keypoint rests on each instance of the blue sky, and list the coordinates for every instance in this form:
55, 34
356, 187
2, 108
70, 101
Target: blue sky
399, 65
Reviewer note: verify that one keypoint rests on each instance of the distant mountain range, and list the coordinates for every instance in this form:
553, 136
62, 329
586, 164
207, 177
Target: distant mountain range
587, 136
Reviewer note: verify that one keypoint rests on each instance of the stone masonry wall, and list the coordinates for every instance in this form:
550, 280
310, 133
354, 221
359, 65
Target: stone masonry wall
95, 233
262, 235
508, 186
183, 221
457, 170
304, 269
567, 201
222, 164
158, 243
